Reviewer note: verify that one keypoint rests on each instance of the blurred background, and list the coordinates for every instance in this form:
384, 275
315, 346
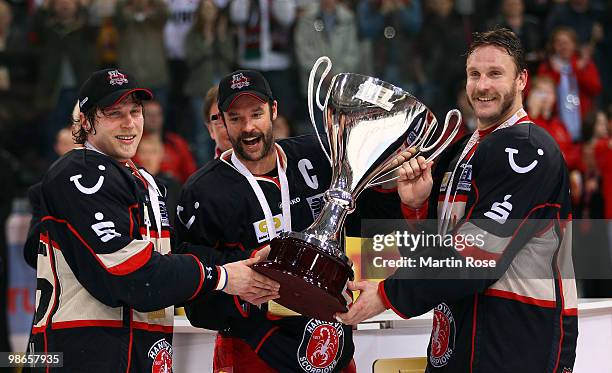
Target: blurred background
181, 48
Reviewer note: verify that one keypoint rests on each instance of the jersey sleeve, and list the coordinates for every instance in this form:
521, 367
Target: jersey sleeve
201, 230
92, 216
519, 189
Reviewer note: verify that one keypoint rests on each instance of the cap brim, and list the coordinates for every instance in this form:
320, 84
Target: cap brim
118, 96
229, 101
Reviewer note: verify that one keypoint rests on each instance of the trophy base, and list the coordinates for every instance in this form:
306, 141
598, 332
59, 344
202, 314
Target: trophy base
312, 280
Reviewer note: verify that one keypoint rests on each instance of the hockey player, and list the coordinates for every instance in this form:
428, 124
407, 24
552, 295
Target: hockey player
106, 284
507, 183
237, 203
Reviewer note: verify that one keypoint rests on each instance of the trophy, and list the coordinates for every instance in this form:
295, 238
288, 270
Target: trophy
368, 123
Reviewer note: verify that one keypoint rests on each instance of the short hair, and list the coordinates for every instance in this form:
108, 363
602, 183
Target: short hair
502, 38
209, 100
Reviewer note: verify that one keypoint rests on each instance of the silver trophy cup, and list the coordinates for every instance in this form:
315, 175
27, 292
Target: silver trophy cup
369, 123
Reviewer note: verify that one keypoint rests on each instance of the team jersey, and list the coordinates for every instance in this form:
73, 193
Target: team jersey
521, 315
106, 283
218, 208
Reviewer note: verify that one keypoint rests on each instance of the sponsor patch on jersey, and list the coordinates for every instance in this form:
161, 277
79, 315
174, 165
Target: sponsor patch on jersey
163, 209
321, 346
316, 203
161, 355
442, 336
261, 228
465, 179
445, 180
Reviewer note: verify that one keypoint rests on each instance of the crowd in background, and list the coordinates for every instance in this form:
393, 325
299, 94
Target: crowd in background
180, 48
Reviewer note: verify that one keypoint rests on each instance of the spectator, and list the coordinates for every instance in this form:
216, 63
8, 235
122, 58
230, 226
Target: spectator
214, 123
541, 108
179, 117
264, 44
16, 82
389, 25
327, 28
141, 49
281, 129
576, 77
177, 160
210, 54
7, 192
603, 158
577, 15
440, 61
65, 40
526, 27
150, 154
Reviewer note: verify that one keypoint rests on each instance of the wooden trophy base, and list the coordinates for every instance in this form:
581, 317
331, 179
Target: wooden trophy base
312, 280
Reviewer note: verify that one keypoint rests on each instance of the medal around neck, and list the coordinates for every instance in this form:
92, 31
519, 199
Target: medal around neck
368, 123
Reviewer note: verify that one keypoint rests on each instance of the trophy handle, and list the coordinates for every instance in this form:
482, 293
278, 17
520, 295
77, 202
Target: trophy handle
311, 78
393, 174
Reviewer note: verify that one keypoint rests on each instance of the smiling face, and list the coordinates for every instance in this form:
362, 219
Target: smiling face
118, 129
493, 85
249, 128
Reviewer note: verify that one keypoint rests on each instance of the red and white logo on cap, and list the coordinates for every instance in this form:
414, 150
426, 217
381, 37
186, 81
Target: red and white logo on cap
116, 78
240, 81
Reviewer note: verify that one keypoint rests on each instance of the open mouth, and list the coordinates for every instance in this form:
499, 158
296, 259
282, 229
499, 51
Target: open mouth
252, 140
485, 99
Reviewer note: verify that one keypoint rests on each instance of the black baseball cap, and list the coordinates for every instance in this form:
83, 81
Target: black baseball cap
107, 87
243, 82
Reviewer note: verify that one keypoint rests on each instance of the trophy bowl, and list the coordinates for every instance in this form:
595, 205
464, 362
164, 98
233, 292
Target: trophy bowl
313, 280
368, 123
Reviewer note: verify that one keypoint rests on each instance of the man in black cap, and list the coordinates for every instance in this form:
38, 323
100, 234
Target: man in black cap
106, 286
237, 203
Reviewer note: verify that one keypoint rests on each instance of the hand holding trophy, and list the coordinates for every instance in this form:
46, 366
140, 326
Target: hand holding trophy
372, 127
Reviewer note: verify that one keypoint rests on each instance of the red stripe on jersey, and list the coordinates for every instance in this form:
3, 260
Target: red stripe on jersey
570, 312
131, 341
124, 268
202, 275
153, 233
474, 331
453, 198
153, 327
520, 298
269, 178
268, 334
130, 208
134, 263
386, 302
235, 244
86, 323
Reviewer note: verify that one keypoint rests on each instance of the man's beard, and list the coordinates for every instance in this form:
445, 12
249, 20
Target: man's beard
495, 118
267, 139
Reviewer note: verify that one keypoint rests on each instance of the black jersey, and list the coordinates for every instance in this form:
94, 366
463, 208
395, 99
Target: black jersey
106, 286
512, 189
218, 208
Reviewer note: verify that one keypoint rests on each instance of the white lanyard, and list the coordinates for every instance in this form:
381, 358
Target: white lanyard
447, 207
261, 198
154, 194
